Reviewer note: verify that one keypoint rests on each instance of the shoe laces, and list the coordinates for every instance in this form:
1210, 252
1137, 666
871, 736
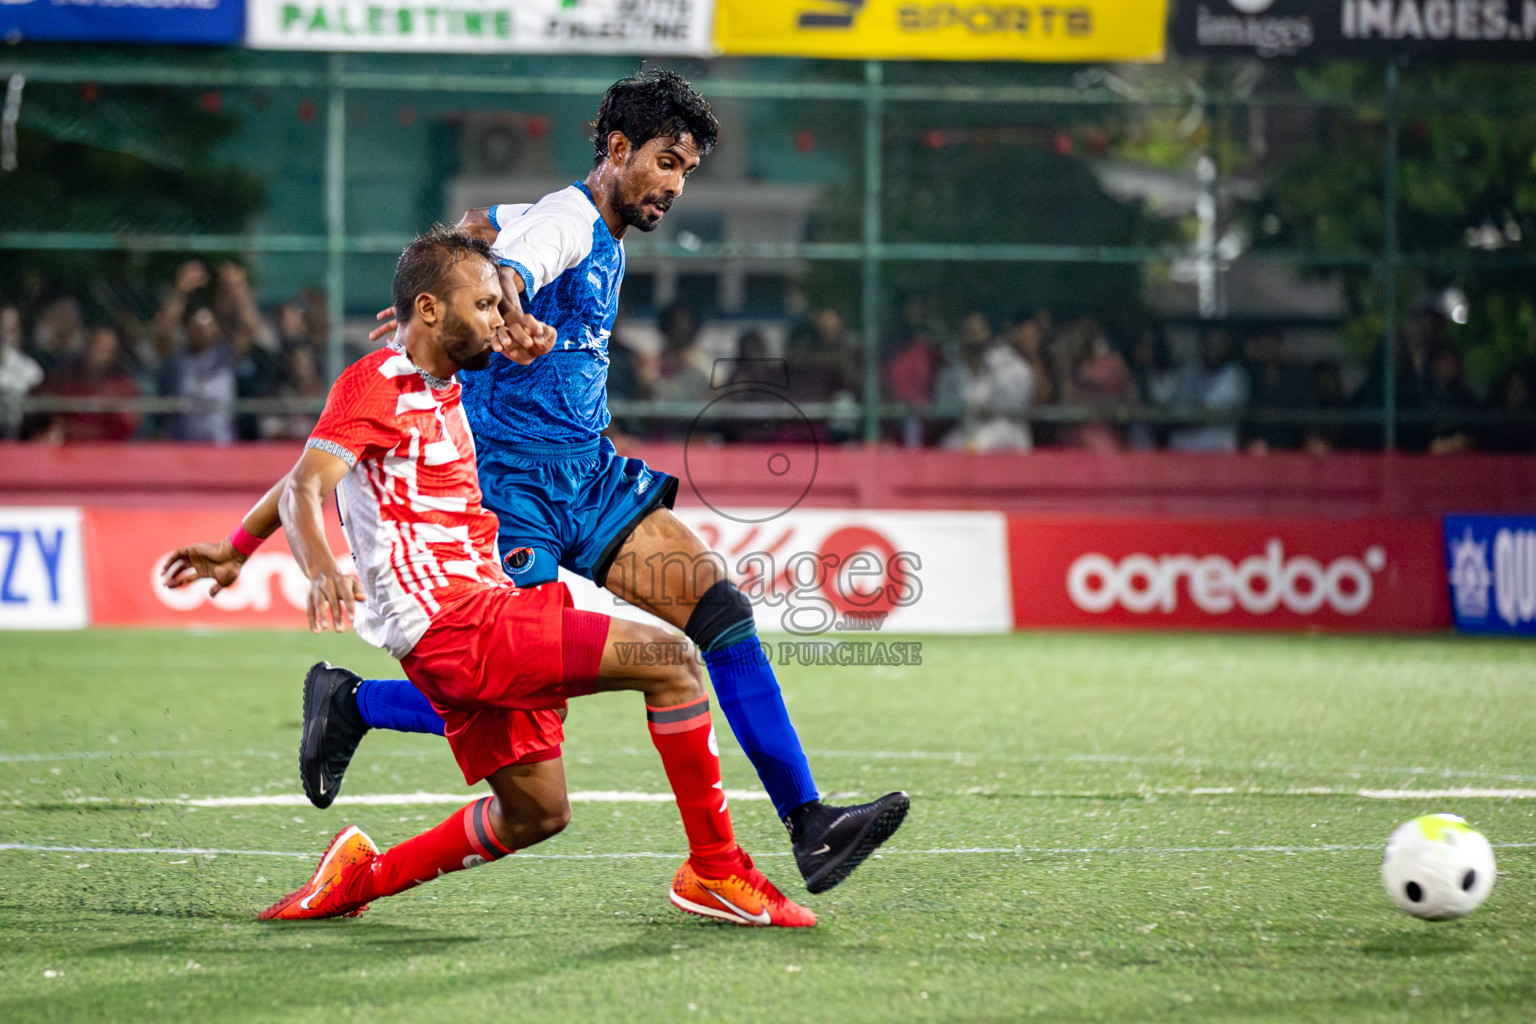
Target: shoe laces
757, 879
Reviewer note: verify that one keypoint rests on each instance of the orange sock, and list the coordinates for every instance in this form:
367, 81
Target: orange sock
685, 739
465, 840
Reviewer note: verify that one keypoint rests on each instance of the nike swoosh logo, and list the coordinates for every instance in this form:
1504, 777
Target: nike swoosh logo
304, 903
825, 849
760, 918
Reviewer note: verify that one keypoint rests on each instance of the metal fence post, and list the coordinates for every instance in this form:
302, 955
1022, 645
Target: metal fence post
335, 214
869, 315
1389, 258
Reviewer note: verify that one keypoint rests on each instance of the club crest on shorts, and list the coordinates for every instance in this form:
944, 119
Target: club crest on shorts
517, 561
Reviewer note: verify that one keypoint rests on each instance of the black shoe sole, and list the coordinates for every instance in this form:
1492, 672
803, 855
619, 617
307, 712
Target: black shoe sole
317, 712
876, 832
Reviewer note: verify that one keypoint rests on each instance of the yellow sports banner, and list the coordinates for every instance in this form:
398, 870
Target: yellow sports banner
1052, 30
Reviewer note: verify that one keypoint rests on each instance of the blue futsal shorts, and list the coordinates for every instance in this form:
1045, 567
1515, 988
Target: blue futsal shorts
569, 505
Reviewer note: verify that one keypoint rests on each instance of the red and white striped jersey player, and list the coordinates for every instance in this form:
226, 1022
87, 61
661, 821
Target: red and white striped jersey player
496, 661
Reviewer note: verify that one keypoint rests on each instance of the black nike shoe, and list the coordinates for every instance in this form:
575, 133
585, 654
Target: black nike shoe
830, 842
333, 727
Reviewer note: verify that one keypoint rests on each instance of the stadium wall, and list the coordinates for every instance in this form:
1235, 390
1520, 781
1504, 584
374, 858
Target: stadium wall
1344, 485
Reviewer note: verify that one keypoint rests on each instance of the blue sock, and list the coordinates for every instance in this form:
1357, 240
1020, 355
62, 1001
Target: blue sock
396, 704
749, 695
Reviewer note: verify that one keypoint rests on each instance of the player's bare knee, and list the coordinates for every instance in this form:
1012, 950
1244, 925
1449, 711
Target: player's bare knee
694, 676
680, 684
531, 825
505, 825
555, 821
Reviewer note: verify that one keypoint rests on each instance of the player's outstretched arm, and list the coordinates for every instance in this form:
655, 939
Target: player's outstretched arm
222, 560
474, 222
333, 594
523, 338
478, 223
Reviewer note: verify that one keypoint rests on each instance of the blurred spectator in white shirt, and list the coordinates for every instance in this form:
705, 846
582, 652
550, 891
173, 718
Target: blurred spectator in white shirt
203, 371
1215, 382
994, 385
19, 372
1029, 335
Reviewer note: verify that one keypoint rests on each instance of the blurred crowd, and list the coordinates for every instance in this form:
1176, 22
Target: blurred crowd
978, 384
208, 342
986, 385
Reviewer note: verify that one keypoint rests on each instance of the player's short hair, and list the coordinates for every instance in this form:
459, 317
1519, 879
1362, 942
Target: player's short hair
654, 104
424, 266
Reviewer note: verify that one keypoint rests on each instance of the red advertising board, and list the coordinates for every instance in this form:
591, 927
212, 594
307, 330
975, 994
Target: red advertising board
1357, 575
124, 549
1364, 575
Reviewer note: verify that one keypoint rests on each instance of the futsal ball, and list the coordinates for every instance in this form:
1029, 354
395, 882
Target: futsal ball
1438, 867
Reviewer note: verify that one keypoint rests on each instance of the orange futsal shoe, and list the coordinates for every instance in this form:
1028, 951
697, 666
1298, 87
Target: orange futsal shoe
325, 895
743, 897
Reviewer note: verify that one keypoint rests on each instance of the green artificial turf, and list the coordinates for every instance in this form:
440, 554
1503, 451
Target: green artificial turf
1104, 827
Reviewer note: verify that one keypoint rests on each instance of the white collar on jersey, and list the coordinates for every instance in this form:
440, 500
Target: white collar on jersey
434, 382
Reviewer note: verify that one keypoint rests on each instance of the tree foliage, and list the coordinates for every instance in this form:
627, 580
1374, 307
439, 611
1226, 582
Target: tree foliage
1032, 183
97, 159
1466, 179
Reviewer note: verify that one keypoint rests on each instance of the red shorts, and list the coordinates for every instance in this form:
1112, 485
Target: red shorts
499, 666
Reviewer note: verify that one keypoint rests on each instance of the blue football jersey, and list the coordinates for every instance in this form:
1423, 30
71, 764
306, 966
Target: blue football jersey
571, 267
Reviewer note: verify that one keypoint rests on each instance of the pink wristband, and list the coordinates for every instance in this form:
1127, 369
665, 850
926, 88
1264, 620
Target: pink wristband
244, 541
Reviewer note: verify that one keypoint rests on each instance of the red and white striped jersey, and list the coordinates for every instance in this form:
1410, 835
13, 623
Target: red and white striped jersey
410, 505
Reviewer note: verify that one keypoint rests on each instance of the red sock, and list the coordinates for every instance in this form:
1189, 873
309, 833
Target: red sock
685, 739
465, 840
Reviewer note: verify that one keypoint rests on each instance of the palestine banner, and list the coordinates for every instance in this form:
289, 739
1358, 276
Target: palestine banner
660, 27
1357, 29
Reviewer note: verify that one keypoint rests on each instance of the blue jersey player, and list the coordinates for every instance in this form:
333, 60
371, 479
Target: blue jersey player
562, 495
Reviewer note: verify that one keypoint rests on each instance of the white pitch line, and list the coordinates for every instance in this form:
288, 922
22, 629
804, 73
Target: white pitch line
615, 796
940, 852
954, 756
1449, 794
181, 851
1463, 793
94, 755
594, 796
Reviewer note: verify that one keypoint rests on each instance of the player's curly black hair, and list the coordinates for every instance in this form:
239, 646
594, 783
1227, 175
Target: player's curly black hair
424, 266
653, 104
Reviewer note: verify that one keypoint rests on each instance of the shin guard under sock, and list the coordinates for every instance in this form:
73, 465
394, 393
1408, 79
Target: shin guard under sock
465, 840
685, 739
